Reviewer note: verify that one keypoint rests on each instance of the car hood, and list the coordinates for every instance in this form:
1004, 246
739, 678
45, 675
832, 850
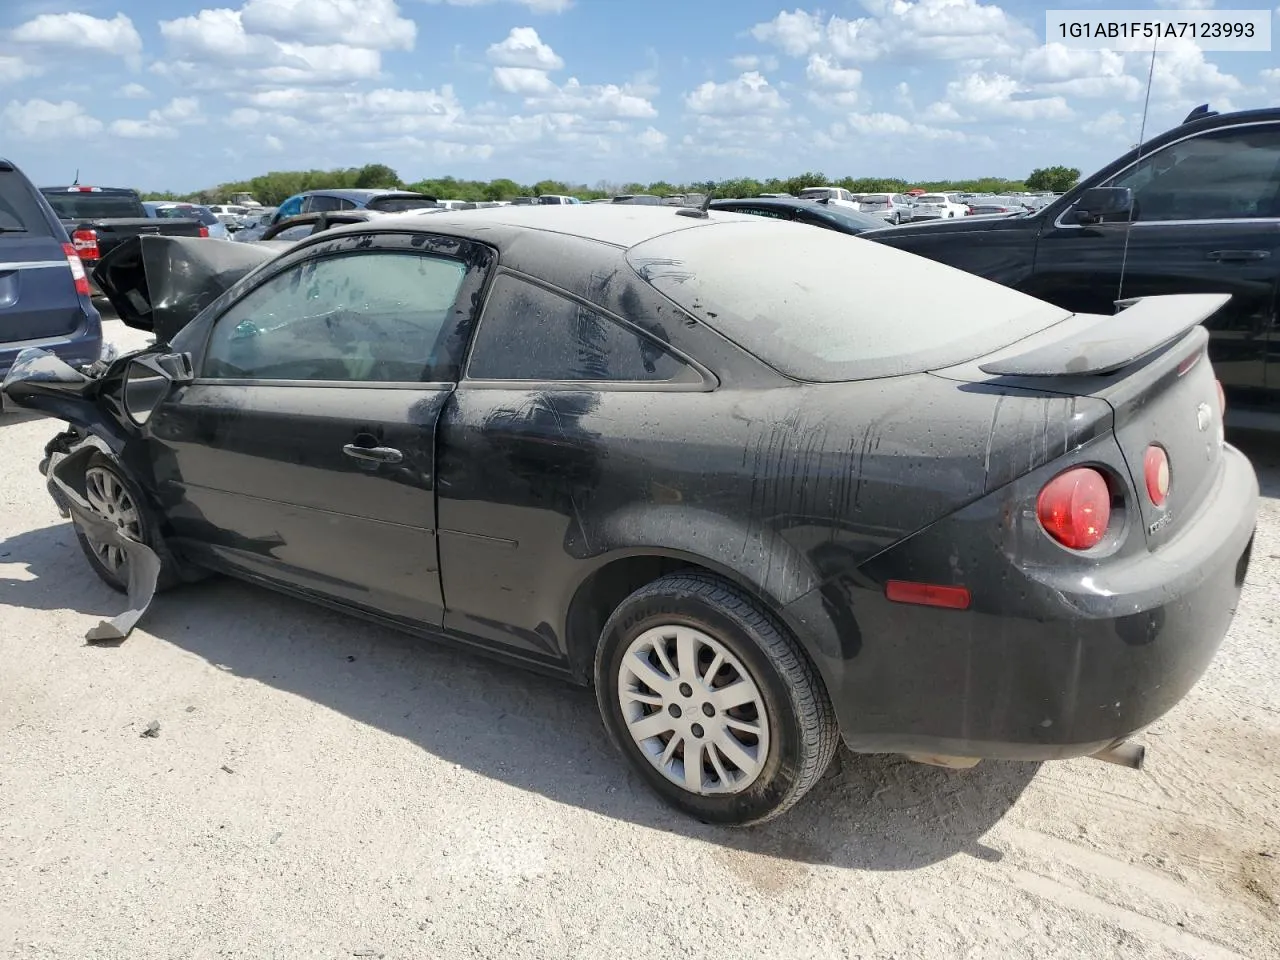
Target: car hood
934, 228
160, 283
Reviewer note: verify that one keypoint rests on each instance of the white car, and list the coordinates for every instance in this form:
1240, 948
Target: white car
938, 206
832, 196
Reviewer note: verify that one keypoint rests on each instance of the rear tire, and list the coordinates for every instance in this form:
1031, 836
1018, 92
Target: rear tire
114, 494
690, 662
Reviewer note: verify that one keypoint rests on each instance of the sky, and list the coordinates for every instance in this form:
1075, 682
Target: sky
181, 95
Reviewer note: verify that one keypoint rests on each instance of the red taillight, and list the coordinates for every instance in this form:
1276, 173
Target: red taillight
927, 594
1222, 398
1155, 468
204, 231
86, 244
77, 269
1075, 508
968, 212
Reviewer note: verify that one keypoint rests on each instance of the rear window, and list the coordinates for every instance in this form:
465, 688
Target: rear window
398, 204
876, 198
19, 209
933, 198
94, 206
782, 292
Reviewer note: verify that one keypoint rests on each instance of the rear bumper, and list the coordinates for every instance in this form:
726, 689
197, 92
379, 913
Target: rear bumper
81, 347
1119, 650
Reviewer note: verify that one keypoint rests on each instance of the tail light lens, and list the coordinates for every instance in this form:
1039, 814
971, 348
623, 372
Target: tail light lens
204, 231
1155, 469
77, 269
1075, 508
86, 244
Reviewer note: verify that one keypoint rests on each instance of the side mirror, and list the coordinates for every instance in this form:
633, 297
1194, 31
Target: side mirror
150, 379
1104, 205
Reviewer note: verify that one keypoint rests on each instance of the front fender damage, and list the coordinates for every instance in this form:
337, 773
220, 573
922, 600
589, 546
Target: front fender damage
68, 456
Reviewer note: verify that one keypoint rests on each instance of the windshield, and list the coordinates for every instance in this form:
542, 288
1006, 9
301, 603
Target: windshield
94, 206
815, 193
782, 292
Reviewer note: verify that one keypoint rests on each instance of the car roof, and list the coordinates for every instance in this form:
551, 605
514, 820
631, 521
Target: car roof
359, 194
618, 225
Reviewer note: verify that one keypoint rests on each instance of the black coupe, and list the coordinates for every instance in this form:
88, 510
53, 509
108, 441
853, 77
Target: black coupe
665, 452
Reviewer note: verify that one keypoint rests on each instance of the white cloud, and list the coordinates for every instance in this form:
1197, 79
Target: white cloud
218, 36
536, 6
605, 100
133, 91
1112, 126
748, 94
902, 29
273, 143
522, 80
43, 120
990, 96
794, 33
13, 69
376, 24
840, 100
524, 48
1183, 74
894, 125
652, 140
142, 130
826, 74
79, 31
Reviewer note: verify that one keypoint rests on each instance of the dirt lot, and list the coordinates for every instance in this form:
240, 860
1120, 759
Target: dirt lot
324, 788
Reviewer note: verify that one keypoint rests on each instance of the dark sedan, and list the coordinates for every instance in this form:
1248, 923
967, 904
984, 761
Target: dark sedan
813, 212
661, 451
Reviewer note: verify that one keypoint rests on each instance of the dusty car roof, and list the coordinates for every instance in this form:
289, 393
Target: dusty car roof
619, 225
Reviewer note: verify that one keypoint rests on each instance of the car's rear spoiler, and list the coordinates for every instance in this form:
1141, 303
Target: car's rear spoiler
1088, 344
160, 283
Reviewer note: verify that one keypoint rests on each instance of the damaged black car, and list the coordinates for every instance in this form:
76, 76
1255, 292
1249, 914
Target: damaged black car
663, 452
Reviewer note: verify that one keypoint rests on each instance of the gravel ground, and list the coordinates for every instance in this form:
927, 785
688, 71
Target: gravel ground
320, 787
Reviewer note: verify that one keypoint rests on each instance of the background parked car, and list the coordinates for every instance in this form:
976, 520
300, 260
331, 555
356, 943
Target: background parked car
827, 215
202, 215
44, 290
938, 206
995, 206
555, 199
832, 196
321, 201
894, 207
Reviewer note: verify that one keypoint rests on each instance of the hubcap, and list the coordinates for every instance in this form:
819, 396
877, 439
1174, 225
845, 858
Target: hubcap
107, 495
694, 710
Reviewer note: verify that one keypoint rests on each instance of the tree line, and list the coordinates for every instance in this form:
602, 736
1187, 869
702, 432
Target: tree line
273, 188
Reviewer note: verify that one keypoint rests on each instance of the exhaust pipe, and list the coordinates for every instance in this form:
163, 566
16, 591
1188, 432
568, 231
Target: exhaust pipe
1125, 753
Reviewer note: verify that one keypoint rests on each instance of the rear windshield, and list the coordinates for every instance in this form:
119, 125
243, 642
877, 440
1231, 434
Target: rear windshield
876, 198
789, 294
933, 198
815, 192
397, 204
19, 209
94, 206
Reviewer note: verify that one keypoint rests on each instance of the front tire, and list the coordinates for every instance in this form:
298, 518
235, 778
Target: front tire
691, 667
115, 496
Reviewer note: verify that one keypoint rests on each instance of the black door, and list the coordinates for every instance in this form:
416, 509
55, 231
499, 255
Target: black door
1206, 220
304, 453
540, 440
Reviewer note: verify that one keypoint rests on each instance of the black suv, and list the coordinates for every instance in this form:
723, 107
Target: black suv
44, 291
1195, 210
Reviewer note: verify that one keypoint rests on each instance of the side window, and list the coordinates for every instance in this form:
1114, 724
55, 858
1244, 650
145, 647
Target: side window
384, 317
318, 204
296, 232
528, 333
1223, 175
290, 208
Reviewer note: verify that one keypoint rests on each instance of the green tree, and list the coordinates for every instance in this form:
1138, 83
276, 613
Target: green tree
1056, 179
377, 175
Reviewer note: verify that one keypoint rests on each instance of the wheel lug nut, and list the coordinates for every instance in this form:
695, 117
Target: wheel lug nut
686, 690
674, 710
708, 710
696, 730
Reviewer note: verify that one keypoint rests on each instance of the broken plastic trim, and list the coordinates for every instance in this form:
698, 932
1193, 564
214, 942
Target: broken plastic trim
143, 564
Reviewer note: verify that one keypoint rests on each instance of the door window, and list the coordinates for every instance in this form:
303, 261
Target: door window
380, 316
290, 208
528, 333
1223, 175
319, 204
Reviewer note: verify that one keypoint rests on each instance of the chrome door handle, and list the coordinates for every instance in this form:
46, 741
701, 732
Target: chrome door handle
1237, 255
377, 454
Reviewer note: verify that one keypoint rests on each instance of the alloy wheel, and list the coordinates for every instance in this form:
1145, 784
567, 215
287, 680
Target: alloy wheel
107, 495
694, 710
